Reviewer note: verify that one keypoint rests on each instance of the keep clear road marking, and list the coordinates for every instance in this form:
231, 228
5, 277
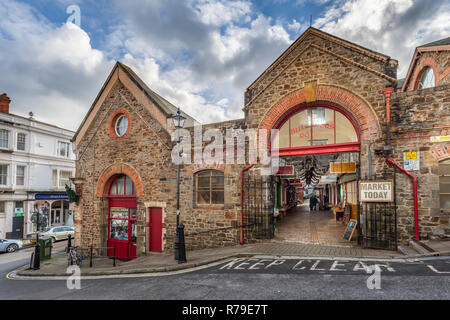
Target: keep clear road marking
435, 270
307, 265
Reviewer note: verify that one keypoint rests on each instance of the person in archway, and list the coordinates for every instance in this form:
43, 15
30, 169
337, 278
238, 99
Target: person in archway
312, 203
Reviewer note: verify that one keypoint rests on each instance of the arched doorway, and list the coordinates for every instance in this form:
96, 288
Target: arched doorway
122, 220
319, 147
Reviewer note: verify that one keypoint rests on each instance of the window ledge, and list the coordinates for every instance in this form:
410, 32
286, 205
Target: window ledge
209, 206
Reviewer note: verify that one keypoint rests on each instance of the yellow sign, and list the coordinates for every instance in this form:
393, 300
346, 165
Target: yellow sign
411, 155
440, 139
342, 167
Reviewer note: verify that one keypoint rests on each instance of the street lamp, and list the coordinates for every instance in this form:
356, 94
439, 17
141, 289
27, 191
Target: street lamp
179, 245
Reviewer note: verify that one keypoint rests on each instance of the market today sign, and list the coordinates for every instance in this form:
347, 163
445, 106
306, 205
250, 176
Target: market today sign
376, 191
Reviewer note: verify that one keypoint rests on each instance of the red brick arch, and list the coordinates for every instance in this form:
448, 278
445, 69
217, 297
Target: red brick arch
427, 62
105, 180
349, 102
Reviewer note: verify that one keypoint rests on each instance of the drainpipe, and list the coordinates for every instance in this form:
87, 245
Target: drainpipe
242, 200
416, 205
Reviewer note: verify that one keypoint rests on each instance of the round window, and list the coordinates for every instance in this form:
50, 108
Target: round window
121, 125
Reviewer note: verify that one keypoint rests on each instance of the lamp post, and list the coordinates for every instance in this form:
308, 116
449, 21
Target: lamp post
179, 245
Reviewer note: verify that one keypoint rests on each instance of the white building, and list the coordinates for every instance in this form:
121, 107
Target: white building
36, 162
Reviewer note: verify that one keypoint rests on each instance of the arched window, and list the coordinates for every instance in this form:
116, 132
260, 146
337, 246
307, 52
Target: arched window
209, 187
444, 184
427, 80
122, 186
315, 126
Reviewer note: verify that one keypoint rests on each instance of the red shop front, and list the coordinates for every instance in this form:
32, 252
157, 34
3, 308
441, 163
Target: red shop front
122, 225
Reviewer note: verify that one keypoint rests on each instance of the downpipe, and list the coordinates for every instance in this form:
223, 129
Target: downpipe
416, 202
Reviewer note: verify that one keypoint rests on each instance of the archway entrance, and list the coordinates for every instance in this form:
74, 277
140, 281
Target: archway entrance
315, 189
122, 224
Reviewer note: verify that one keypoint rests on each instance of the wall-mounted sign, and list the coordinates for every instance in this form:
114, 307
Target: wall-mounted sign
440, 139
285, 171
295, 181
441, 153
411, 161
342, 167
50, 196
18, 212
327, 179
376, 191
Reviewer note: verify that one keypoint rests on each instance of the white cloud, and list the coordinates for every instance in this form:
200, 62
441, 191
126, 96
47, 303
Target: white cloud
394, 28
50, 69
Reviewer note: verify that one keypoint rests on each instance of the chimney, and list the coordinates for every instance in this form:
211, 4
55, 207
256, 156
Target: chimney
4, 103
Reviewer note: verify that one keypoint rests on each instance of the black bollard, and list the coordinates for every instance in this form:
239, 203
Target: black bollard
69, 243
181, 244
37, 257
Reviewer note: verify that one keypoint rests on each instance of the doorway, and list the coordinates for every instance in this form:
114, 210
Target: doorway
122, 219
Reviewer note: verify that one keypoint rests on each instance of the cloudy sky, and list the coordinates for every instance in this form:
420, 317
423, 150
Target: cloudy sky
199, 54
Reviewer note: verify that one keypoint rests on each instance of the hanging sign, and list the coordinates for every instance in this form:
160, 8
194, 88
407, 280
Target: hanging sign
411, 161
285, 171
342, 167
376, 191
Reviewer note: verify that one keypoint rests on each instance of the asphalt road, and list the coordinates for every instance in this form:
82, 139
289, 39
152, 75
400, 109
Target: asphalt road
251, 279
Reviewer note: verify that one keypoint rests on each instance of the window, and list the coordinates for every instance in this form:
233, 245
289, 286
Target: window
444, 184
64, 178
3, 174
20, 176
4, 138
63, 149
315, 126
209, 187
121, 126
2, 206
122, 186
21, 138
427, 80
55, 178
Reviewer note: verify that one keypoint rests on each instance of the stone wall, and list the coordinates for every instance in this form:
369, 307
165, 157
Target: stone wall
417, 116
439, 61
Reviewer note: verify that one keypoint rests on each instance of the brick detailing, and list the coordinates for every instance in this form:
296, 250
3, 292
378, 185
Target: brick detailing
112, 124
352, 104
107, 175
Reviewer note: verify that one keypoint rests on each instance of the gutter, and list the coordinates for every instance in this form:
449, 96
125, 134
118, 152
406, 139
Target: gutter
242, 202
416, 205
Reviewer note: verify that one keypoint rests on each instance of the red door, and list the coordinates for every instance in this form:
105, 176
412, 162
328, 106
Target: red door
155, 230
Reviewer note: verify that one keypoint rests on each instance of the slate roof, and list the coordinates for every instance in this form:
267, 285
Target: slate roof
442, 42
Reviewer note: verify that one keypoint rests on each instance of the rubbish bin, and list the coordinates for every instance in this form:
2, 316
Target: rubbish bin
45, 248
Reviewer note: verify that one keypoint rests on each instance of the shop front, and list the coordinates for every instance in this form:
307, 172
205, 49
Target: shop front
122, 220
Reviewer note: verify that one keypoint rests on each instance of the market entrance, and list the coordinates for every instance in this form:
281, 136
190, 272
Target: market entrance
316, 198
316, 186
122, 228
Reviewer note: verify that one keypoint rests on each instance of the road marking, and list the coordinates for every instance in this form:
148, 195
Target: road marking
435, 270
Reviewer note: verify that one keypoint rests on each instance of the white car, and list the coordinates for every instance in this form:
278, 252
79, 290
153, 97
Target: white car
8, 245
58, 233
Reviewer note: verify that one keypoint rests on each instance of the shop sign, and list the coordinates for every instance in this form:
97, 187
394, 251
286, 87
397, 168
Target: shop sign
295, 181
440, 138
119, 213
285, 171
411, 161
441, 153
342, 167
46, 196
376, 191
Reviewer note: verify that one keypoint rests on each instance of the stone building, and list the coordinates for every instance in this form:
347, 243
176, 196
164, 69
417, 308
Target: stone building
333, 102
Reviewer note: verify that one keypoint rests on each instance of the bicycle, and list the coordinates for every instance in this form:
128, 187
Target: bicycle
74, 257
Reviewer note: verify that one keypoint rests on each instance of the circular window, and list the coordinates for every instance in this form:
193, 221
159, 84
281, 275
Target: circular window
121, 125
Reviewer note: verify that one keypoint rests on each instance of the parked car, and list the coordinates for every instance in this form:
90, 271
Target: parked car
58, 233
9, 245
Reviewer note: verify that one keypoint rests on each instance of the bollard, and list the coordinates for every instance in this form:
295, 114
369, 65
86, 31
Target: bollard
69, 243
90, 262
181, 245
37, 257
